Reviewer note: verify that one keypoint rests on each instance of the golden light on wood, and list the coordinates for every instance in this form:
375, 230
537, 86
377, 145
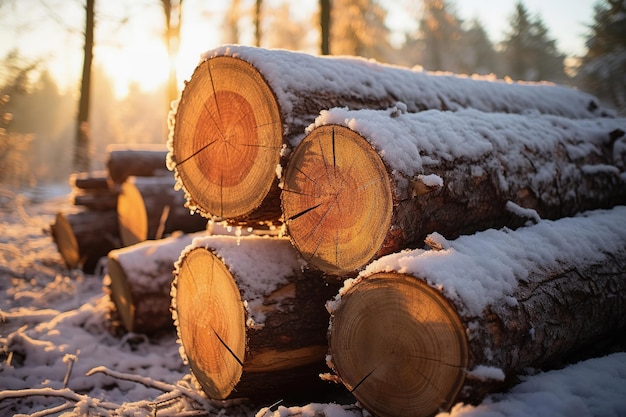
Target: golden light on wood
66, 240
227, 138
398, 346
131, 215
121, 294
214, 337
337, 200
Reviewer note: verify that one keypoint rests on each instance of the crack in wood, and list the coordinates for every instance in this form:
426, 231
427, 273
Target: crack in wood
228, 348
302, 213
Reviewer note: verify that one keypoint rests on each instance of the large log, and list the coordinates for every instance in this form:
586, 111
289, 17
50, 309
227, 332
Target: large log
150, 208
251, 323
244, 108
420, 330
139, 282
84, 237
367, 183
135, 160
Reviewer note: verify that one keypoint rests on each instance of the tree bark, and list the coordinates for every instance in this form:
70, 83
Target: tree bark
92, 191
140, 279
353, 194
251, 323
135, 160
150, 208
456, 324
84, 237
242, 105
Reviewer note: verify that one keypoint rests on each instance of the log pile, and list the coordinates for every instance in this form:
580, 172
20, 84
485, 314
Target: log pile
366, 167
130, 202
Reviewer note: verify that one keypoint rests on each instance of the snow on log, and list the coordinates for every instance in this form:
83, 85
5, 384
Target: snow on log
150, 208
244, 108
84, 237
420, 330
139, 282
139, 160
366, 183
251, 323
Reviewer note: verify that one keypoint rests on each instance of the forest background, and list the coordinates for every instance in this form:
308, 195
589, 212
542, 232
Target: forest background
57, 120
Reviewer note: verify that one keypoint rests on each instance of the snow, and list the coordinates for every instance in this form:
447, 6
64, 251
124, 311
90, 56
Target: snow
412, 142
50, 314
485, 268
293, 76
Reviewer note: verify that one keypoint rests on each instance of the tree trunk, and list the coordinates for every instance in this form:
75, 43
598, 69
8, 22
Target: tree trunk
84, 237
140, 279
82, 158
150, 208
139, 161
251, 323
463, 321
353, 194
242, 105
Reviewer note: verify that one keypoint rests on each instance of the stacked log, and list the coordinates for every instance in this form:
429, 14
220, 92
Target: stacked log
245, 108
251, 321
366, 183
138, 282
126, 160
420, 330
92, 190
150, 208
425, 153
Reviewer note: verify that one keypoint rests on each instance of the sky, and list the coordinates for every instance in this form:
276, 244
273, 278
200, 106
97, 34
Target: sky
133, 50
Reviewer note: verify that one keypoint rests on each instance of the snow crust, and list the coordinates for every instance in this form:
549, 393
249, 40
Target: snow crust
294, 75
410, 143
485, 268
259, 264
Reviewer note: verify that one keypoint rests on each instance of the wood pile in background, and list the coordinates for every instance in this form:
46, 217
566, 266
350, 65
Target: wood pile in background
100, 223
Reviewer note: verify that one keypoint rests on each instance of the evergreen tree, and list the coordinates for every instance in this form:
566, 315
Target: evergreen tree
440, 34
603, 68
478, 55
529, 52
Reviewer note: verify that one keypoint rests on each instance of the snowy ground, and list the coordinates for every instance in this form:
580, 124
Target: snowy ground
59, 356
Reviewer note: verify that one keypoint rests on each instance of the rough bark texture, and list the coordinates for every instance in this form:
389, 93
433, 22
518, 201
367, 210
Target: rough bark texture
92, 190
140, 278
345, 204
267, 343
150, 208
405, 344
242, 105
135, 160
85, 236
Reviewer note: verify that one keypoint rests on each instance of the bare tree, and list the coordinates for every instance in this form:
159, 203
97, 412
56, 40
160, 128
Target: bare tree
257, 22
82, 160
325, 26
173, 17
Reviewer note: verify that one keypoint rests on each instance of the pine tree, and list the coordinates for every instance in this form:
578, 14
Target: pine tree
478, 55
603, 68
529, 52
441, 32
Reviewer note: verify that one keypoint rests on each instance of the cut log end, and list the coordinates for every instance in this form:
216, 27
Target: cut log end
227, 138
338, 189
121, 294
214, 338
65, 240
132, 215
391, 358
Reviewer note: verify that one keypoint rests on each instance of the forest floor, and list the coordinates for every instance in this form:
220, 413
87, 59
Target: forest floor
61, 355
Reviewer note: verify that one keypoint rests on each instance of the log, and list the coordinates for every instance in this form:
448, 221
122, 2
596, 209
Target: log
92, 190
138, 160
366, 183
420, 330
251, 323
139, 282
244, 108
150, 208
84, 237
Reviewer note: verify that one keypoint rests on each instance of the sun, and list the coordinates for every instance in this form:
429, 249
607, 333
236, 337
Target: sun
145, 64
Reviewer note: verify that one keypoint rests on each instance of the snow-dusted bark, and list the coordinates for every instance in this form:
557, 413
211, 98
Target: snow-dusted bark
364, 183
432, 327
